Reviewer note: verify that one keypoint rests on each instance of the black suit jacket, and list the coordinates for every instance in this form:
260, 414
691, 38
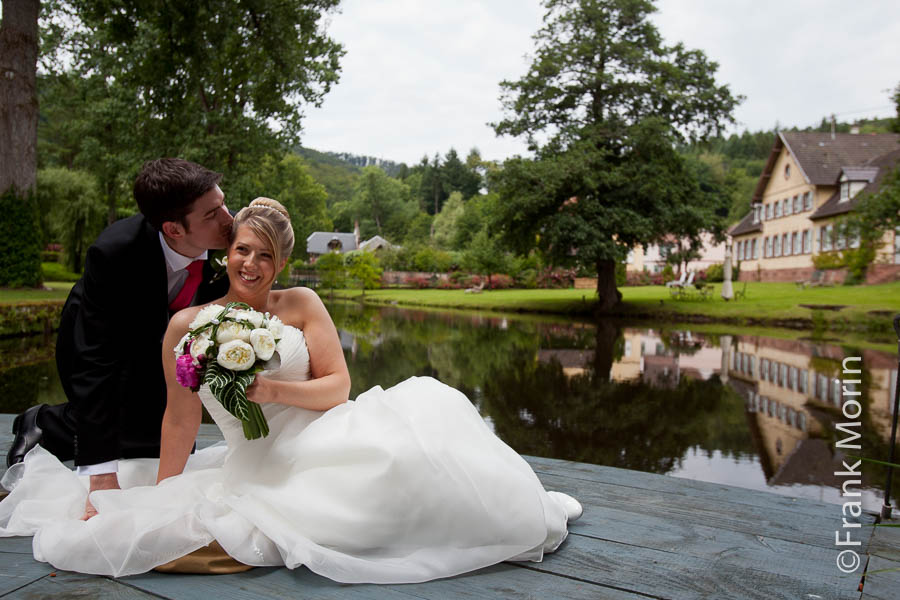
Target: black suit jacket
109, 346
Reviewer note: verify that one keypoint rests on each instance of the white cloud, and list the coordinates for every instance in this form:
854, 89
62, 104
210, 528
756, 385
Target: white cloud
420, 77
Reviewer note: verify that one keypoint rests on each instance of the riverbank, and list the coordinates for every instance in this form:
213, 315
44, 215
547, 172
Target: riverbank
864, 309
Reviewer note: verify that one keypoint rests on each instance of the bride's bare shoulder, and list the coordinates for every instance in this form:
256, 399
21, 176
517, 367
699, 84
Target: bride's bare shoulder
295, 305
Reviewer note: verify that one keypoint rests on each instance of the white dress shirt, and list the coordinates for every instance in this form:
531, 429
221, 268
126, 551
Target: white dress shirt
176, 274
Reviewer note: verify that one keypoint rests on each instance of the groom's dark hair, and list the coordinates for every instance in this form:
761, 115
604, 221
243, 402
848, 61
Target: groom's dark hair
166, 188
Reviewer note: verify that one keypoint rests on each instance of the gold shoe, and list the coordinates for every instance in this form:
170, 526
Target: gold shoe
209, 560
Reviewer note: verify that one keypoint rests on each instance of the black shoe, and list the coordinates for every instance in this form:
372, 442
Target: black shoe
27, 435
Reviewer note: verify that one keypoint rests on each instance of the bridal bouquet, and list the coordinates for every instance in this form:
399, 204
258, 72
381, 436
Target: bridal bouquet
225, 348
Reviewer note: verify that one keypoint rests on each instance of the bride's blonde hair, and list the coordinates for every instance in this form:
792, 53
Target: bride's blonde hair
269, 220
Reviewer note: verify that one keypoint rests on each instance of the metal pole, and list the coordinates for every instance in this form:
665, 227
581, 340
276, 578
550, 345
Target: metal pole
886, 508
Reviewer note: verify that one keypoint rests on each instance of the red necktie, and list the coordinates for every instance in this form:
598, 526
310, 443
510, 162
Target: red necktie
184, 297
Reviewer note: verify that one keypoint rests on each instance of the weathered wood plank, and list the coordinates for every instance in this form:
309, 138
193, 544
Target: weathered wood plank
886, 543
720, 513
668, 484
16, 545
74, 585
19, 570
882, 586
677, 576
500, 581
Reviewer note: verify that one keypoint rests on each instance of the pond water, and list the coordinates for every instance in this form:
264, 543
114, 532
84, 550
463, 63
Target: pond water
732, 408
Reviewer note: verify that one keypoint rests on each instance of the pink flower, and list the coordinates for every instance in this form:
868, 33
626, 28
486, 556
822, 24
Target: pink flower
186, 373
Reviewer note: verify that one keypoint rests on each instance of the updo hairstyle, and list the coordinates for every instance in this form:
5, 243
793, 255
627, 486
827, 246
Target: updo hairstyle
270, 221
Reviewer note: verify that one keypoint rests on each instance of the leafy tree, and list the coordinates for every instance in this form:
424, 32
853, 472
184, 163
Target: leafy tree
364, 268
895, 124
73, 210
289, 182
485, 255
602, 106
20, 244
445, 221
382, 205
331, 269
220, 82
458, 177
418, 229
874, 216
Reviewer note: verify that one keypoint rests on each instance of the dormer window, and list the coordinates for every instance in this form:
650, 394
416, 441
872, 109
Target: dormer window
845, 189
756, 208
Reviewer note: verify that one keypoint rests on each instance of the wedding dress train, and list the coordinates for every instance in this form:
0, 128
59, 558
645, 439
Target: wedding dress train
401, 485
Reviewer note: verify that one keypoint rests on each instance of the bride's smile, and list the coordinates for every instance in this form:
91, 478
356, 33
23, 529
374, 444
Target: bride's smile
251, 264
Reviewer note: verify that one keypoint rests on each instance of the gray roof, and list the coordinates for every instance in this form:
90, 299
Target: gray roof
374, 243
821, 158
881, 166
745, 225
317, 242
866, 174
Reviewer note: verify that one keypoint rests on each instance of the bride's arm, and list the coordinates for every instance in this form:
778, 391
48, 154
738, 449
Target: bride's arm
183, 408
329, 384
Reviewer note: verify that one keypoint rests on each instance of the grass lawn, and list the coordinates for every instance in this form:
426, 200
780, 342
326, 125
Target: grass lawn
55, 290
770, 304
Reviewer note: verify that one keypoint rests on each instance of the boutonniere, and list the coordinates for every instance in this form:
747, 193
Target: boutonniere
219, 261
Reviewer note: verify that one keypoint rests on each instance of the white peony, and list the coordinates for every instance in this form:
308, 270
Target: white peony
206, 314
276, 327
263, 343
179, 347
236, 355
200, 345
251, 316
232, 330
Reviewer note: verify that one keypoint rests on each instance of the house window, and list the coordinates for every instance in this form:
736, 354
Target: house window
807, 201
854, 241
804, 381
755, 250
840, 242
787, 171
787, 206
796, 204
764, 369
807, 241
786, 244
777, 208
776, 245
769, 211
825, 243
795, 237
845, 191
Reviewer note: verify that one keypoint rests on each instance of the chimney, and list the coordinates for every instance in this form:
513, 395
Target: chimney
832, 125
356, 233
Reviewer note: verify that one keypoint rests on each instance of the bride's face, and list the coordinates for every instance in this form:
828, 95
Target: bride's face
251, 263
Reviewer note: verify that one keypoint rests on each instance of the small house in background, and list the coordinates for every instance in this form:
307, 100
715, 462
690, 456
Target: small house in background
653, 257
324, 242
810, 180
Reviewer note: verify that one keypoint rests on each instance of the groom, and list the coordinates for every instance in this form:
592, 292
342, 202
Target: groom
108, 352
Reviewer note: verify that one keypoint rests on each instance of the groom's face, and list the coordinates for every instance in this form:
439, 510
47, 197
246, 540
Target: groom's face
208, 224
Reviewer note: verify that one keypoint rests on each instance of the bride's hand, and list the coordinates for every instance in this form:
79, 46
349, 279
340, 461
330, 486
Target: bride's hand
261, 390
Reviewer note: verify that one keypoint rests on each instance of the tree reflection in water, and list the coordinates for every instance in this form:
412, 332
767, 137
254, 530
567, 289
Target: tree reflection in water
534, 404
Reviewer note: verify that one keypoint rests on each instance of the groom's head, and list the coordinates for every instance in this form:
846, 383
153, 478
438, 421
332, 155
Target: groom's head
183, 200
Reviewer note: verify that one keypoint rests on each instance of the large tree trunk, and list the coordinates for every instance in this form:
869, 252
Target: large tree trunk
608, 296
604, 346
18, 94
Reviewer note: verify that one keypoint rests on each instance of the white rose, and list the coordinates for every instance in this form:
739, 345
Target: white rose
206, 314
179, 347
263, 343
232, 330
236, 355
200, 345
276, 327
251, 316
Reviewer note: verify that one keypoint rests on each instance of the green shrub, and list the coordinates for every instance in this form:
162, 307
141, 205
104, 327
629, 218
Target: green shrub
72, 206
668, 274
332, 273
621, 278
715, 273
829, 260
53, 271
20, 240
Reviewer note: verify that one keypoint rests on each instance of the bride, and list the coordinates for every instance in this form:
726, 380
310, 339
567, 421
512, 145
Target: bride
401, 485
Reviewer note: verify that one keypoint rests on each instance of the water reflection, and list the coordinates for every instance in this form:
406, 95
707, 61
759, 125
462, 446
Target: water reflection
744, 410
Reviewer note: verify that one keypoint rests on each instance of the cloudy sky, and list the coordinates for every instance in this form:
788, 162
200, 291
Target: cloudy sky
421, 76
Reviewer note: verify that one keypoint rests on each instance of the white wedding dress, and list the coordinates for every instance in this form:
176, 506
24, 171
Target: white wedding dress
402, 485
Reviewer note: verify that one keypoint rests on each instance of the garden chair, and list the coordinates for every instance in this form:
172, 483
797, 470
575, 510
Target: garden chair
742, 293
814, 280
475, 289
679, 282
680, 290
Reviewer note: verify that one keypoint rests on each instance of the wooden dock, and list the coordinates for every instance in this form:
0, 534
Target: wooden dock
641, 536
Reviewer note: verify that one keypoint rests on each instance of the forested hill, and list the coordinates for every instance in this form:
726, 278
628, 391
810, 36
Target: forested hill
338, 171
